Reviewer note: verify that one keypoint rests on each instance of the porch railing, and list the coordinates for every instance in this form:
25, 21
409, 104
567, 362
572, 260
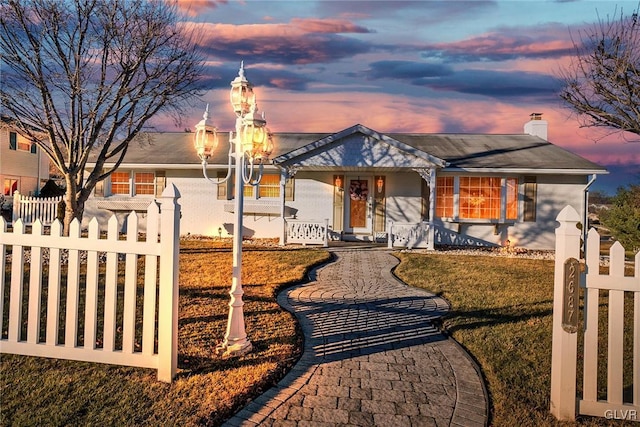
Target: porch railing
307, 232
408, 235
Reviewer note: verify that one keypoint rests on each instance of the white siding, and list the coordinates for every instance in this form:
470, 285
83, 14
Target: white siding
21, 165
204, 214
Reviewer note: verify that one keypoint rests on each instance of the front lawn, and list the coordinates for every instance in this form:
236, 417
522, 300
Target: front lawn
207, 390
502, 314
502, 309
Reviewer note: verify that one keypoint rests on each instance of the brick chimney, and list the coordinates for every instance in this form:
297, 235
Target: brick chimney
536, 126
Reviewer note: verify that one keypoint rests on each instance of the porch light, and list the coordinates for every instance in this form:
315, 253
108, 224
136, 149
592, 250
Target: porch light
338, 182
206, 137
254, 132
249, 148
241, 93
380, 184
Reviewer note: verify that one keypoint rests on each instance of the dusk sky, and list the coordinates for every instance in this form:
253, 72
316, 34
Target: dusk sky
404, 66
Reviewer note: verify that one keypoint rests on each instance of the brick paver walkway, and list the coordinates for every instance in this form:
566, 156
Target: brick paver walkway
372, 356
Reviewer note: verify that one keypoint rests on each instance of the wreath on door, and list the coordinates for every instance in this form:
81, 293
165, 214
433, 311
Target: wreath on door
358, 190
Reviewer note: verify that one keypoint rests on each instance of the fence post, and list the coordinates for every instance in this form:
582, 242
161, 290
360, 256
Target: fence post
168, 295
16, 207
390, 234
565, 344
326, 233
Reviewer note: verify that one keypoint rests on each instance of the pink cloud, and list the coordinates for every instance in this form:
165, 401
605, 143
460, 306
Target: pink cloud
335, 111
327, 26
507, 43
196, 7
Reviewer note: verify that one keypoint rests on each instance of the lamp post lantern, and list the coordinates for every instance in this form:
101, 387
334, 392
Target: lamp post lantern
249, 148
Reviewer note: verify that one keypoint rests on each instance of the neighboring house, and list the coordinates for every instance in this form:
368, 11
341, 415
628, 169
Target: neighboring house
469, 189
23, 167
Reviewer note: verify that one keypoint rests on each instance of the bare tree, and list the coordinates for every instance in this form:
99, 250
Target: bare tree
82, 76
602, 84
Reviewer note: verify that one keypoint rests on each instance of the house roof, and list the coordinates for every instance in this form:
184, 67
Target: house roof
471, 152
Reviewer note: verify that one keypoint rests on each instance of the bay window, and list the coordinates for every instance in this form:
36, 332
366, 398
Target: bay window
477, 198
444, 197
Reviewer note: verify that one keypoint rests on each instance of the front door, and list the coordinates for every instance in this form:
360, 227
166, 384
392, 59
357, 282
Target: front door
358, 205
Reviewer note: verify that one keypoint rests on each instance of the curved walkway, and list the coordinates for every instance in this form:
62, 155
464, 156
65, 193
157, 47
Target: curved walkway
372, 356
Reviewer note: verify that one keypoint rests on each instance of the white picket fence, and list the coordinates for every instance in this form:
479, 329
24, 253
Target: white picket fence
29, 209
105, 316
564, 348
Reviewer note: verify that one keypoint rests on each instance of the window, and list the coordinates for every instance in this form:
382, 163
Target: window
269, 186
512, 198
24, 145
120, 183
18, 142
444, 197
479, 197
10, 186
145, 183
142, 183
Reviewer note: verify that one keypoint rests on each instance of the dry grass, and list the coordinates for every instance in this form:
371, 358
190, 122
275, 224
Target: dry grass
502, 314
207, 390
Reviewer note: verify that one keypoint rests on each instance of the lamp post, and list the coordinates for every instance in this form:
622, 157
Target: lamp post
249, 148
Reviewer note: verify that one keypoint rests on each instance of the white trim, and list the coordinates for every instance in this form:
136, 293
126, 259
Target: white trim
532, 171
169, 166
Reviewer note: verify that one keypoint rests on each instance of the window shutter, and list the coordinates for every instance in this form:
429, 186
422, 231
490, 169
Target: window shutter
424, 196
13, 141
34, 148
288, 189
530, 196
222, 188
99, 189
380, 201
161, 182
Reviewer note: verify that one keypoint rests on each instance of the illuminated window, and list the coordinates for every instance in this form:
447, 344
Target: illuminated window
479, 197
10, 186
144, 183
120, 183
444, 197
512, 198
248, 190
269, 186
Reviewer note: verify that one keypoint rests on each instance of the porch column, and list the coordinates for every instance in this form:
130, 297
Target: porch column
429, 175
283, 224
432, 209
286, 173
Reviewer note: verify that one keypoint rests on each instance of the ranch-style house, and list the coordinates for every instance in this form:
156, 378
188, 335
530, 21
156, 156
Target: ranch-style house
418, 189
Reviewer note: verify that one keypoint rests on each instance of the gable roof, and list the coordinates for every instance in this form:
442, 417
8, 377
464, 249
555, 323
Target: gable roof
361, 147
505, 152
358, 147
